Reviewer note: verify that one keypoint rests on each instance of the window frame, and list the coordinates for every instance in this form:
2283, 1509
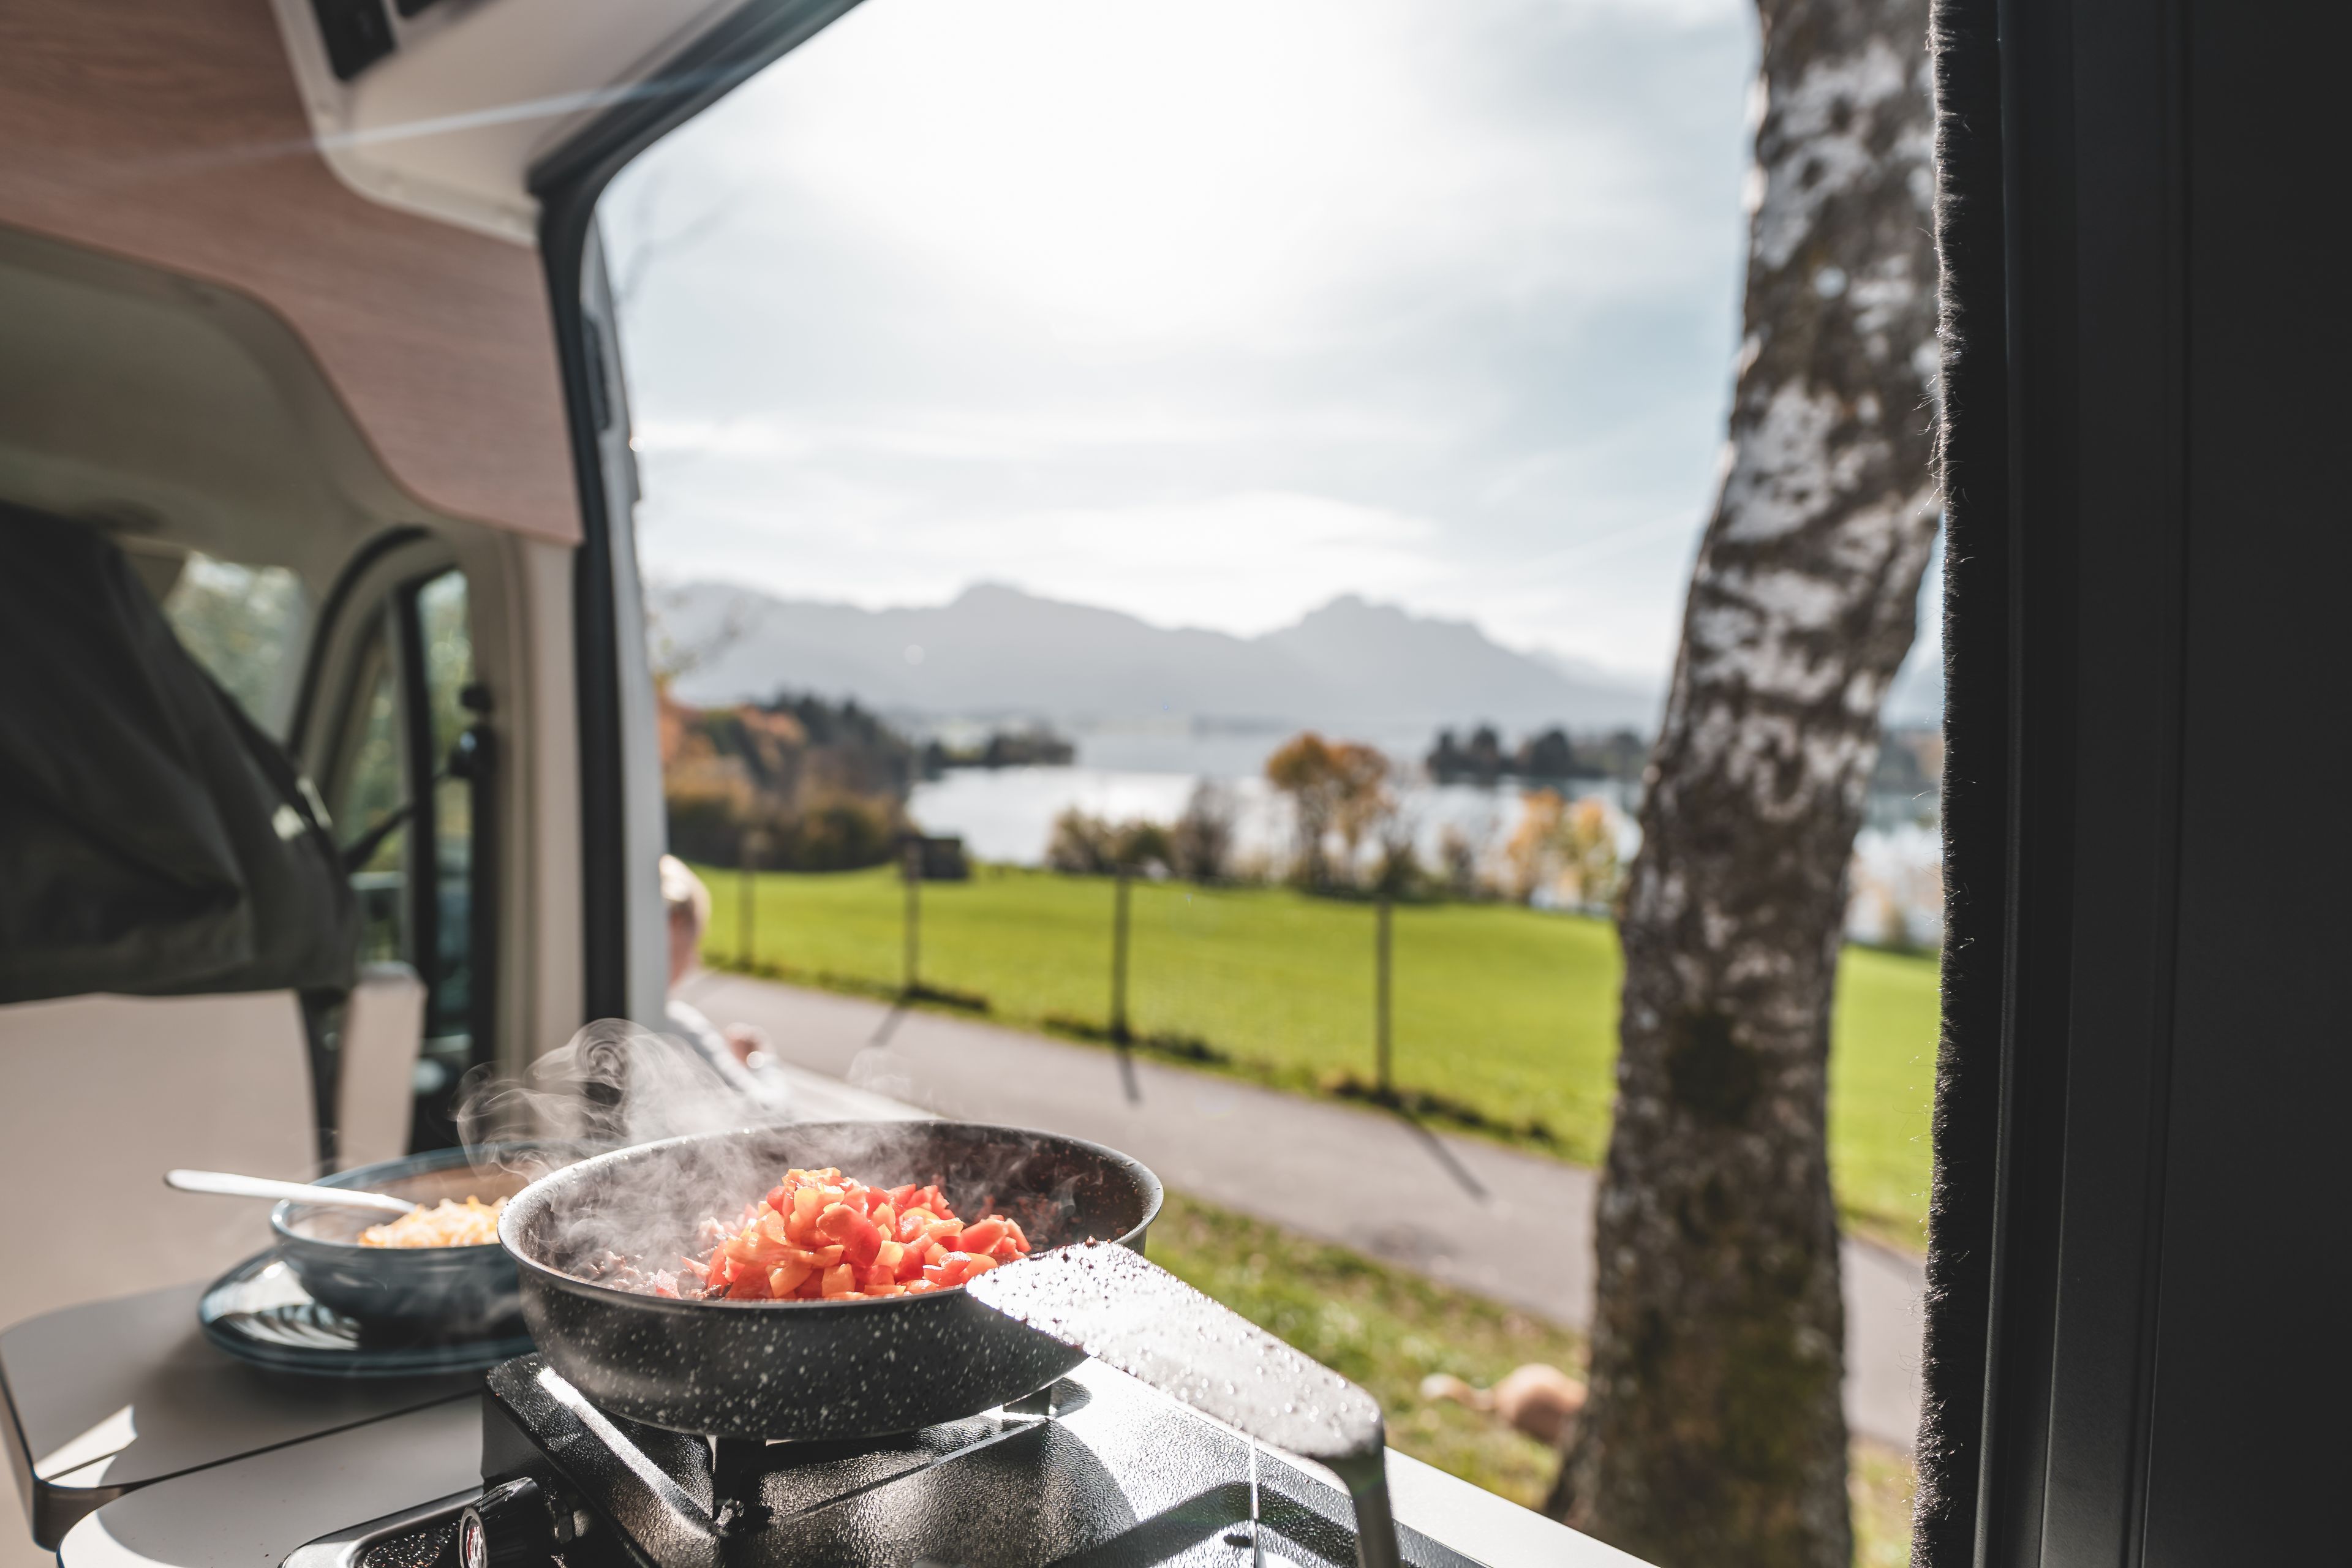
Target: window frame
2135, 311
626, 947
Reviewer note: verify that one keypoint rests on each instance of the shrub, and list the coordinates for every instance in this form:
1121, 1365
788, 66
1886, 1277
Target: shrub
1141, 846
842, 834
722, 826
1085, 844
1201, 844
1080, 845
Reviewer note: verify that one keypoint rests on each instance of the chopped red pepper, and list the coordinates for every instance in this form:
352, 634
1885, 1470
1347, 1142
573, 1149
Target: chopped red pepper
819, 1235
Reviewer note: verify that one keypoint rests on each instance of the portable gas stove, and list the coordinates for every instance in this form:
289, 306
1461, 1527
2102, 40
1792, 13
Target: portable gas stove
1097, 1471
136, 1444
219, 1468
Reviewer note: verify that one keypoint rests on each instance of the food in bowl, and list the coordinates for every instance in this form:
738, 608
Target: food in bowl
447, 1224
437, 1289
819, 1235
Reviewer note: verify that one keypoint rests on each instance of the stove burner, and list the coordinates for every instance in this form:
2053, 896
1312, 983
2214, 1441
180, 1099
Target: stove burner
1097, 1471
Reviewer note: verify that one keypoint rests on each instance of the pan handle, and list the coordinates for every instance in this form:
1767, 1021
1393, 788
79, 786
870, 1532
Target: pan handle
1112, 1304
1368, 1488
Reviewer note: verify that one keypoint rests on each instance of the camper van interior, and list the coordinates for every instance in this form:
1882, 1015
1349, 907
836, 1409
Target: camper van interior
325, 650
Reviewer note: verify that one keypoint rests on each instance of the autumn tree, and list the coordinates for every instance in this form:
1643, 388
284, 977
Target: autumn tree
1367, 812
1715, 1435
1530, 857
1300, 768
1334, 786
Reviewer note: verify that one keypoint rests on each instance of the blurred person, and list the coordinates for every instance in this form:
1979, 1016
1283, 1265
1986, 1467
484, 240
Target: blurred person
740, 1052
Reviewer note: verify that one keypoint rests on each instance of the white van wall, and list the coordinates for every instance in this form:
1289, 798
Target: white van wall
99, 1096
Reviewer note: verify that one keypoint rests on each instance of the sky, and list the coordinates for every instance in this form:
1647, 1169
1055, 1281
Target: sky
1207, 312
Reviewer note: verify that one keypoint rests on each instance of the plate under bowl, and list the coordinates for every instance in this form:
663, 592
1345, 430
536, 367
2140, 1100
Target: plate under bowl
259, 1312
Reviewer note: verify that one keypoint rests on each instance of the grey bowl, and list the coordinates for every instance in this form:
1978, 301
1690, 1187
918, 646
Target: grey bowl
451, 1290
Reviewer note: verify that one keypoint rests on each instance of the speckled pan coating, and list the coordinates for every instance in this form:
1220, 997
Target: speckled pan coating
821, 1369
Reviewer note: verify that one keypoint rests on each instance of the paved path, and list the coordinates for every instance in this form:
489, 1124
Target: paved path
1355, 1176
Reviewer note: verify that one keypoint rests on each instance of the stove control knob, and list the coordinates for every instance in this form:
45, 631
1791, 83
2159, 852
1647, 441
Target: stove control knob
508, 1528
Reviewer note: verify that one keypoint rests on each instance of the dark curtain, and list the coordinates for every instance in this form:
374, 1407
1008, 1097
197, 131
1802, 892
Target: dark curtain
1970, 238
152, 840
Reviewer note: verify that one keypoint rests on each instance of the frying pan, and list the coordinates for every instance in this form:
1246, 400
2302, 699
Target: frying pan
866, 1369
836, 1370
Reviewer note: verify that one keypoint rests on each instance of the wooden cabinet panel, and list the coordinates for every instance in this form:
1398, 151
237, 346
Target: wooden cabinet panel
169, 132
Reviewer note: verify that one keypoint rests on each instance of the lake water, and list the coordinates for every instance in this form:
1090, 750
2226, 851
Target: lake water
1007, 815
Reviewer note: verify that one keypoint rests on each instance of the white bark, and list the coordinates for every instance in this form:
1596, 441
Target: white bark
1715, 1433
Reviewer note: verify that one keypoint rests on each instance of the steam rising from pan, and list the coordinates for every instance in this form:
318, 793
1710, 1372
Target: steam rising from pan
614, 1084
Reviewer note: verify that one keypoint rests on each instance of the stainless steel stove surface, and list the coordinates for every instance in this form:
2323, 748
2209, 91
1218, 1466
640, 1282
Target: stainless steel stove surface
1097, 1471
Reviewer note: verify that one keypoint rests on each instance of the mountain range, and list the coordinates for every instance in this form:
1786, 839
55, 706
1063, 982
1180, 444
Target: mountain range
998, 652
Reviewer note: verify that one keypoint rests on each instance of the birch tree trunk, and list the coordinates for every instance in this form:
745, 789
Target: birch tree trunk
1715, 1435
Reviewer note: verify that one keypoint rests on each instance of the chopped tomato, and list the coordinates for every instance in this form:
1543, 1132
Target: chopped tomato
957, 1267
819, 1235
856, 1235
815, 1256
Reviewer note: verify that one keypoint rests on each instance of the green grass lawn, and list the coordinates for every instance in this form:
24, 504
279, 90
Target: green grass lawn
1511, 1012
1388, 1329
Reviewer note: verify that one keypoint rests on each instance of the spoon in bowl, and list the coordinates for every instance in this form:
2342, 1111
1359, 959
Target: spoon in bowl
233, 1187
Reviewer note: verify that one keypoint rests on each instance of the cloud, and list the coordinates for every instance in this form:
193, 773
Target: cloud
1123, 172
1204, 312
1014, 434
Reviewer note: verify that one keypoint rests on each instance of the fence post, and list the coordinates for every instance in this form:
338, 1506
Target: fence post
747, 948
1381, 1004
911, 869
1118, 1029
